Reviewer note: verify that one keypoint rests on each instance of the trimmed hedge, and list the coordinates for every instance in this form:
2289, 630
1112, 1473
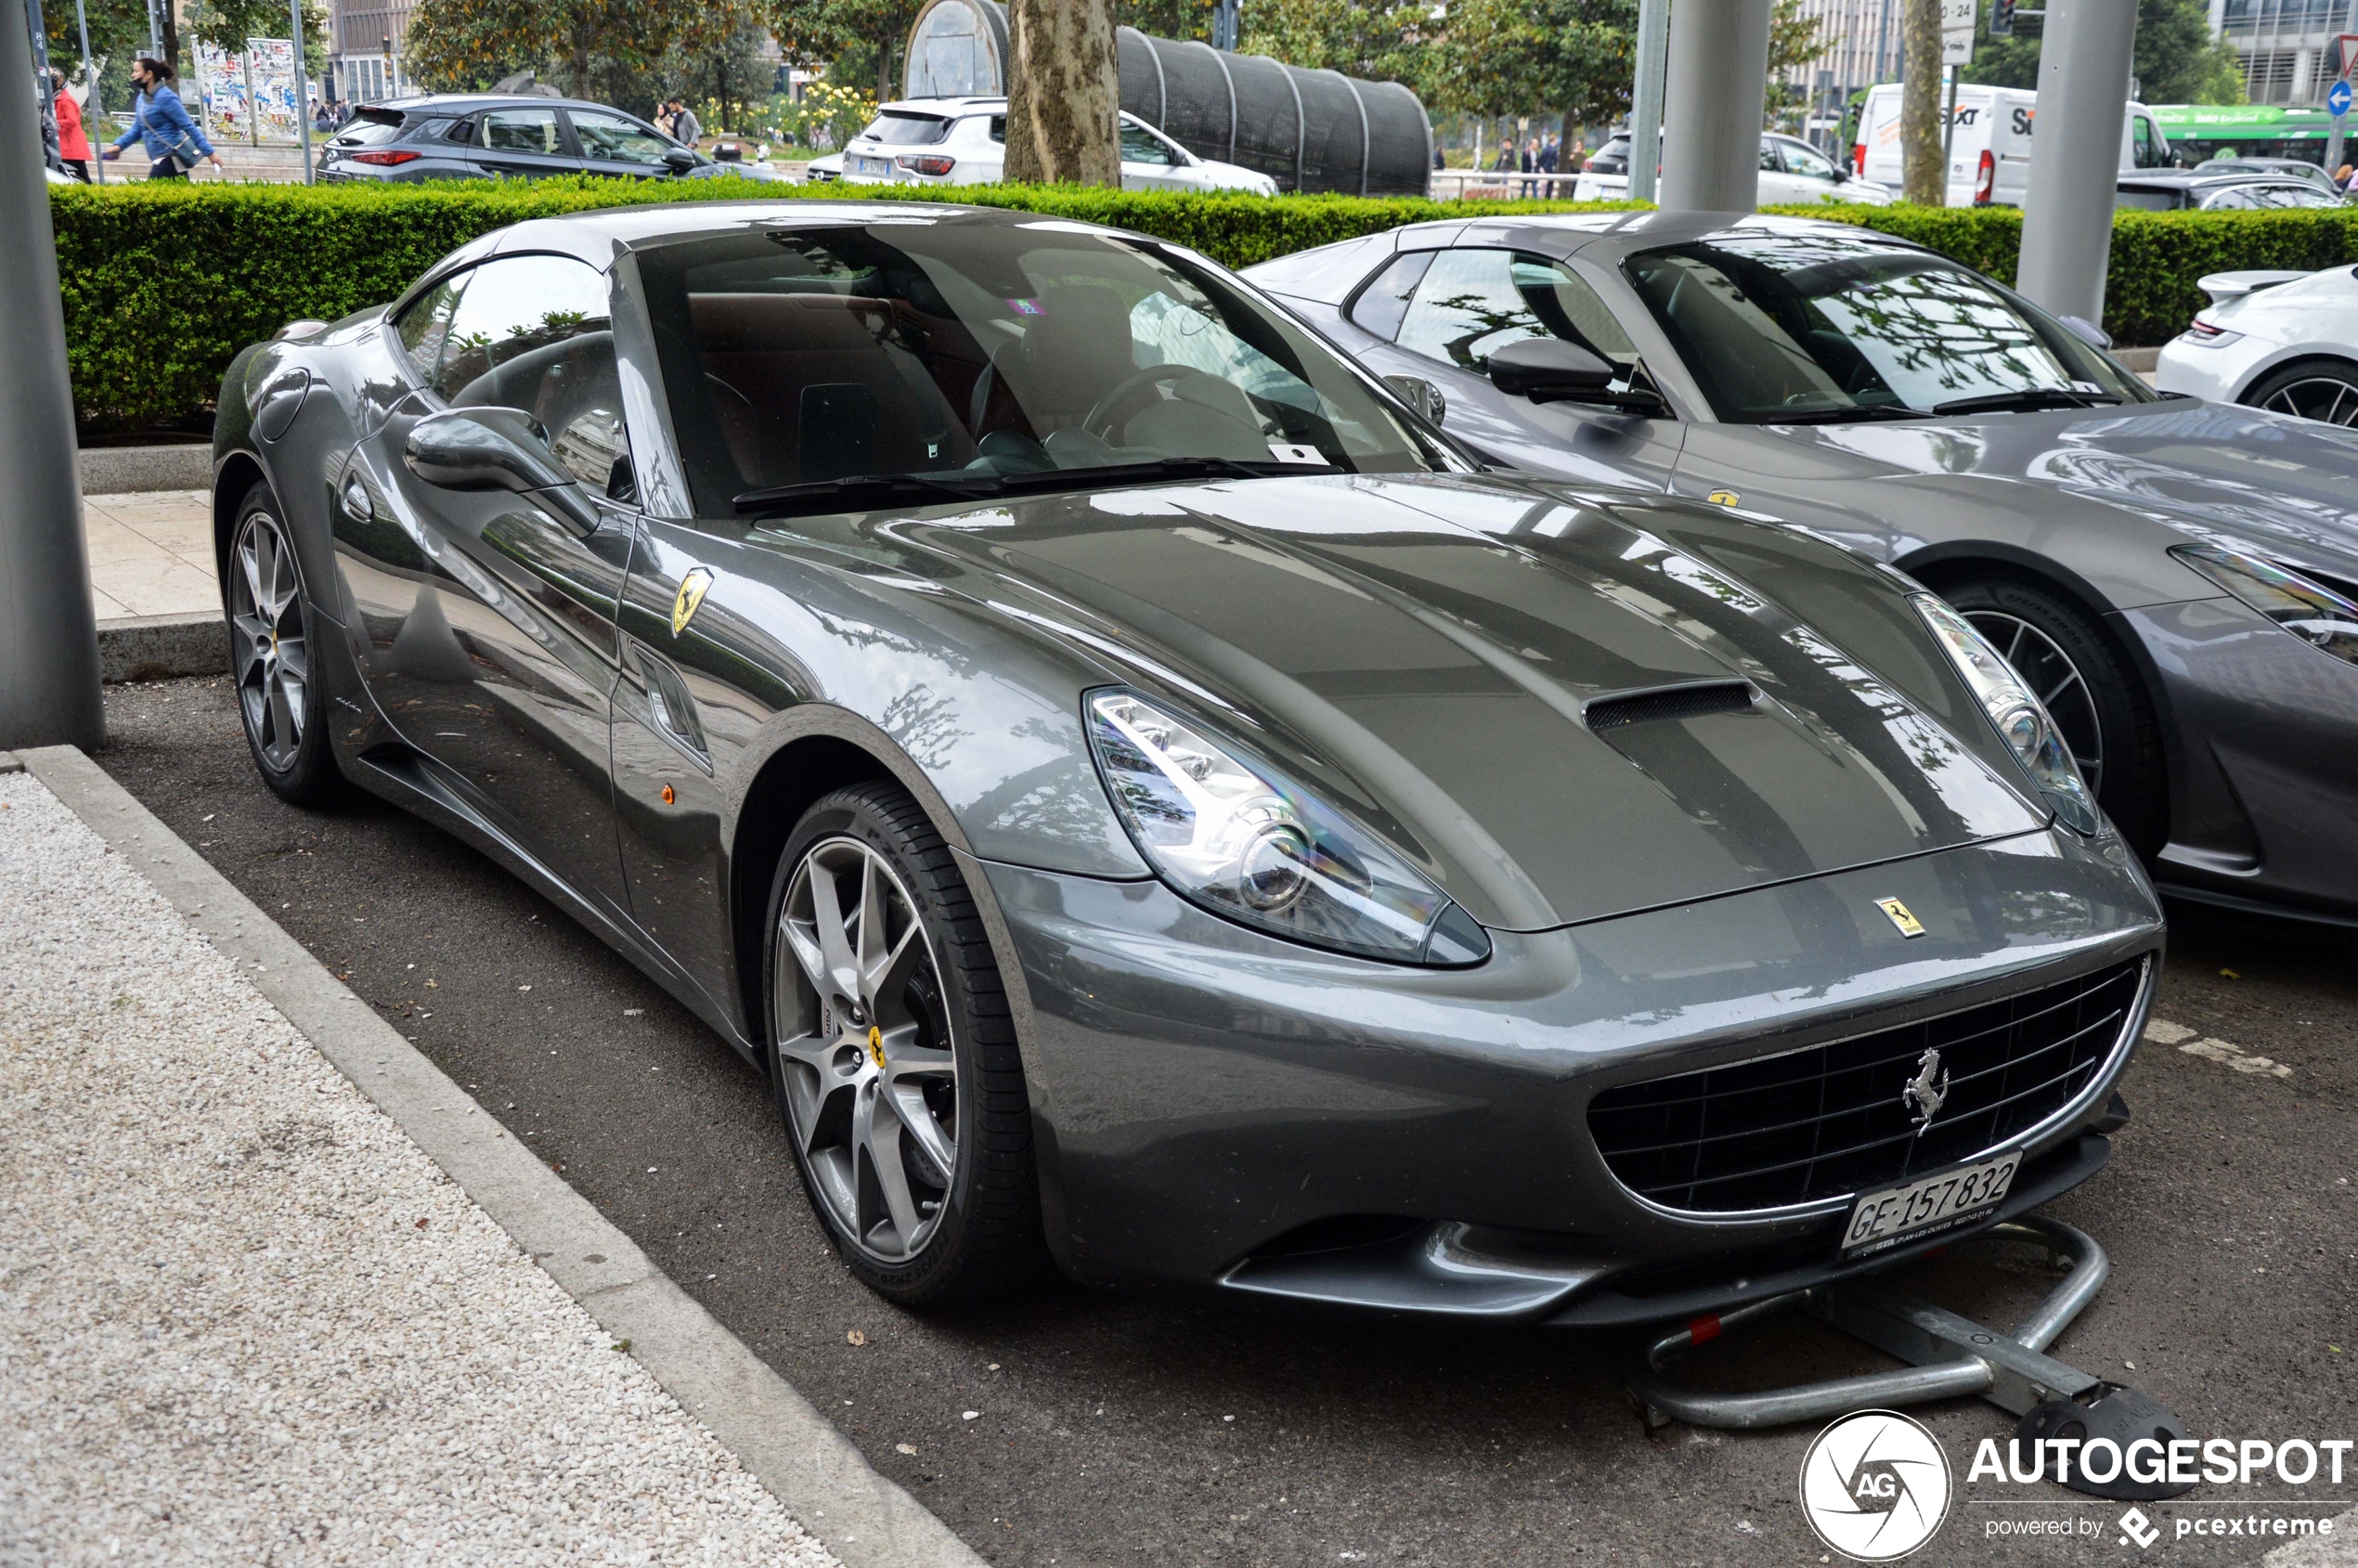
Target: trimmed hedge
165, 283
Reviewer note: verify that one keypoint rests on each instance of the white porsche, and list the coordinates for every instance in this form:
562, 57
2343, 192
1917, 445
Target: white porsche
2282, 340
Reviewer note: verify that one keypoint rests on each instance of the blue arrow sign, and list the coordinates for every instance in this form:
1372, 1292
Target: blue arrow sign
2338, 99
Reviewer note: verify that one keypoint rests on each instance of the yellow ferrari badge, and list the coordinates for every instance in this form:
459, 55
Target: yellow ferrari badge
875, 1046
691, 595
1909, 924
1724, 498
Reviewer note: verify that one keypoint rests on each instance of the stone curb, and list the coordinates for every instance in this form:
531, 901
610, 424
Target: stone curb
162, 647
115, 470
869, 1521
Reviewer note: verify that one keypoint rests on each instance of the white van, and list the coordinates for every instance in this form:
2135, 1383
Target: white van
1989, 156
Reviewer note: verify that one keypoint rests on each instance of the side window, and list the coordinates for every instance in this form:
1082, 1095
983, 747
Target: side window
999, 129
1142, 146
460, 131
2234, 197
1769, 164
1382, 303
534, 333
522, 130
425, 325
1473, 303
612, 139
1802, 161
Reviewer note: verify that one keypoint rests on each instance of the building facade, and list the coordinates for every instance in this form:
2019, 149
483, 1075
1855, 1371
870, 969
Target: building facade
365, 49
1866, 50
2292, 49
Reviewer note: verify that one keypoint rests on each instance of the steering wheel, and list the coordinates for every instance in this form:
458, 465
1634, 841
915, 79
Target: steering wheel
1099, 421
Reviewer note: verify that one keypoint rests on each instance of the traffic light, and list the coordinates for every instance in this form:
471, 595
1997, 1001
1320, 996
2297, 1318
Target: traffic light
2002, 19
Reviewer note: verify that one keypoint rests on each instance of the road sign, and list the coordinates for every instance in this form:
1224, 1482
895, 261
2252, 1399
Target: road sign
1956, 48
2337, 98
1957, 16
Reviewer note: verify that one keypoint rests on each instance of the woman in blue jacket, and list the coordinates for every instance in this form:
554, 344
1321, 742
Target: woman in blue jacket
158, 120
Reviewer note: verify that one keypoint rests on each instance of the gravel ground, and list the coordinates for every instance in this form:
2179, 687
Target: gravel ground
243, 1318
2231, 1211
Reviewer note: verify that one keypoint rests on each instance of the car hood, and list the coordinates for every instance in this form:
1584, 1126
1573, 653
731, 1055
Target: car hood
2219, 473
1428, 653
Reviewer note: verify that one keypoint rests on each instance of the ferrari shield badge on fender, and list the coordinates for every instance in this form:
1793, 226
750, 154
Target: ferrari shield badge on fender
691, 595
1909, 924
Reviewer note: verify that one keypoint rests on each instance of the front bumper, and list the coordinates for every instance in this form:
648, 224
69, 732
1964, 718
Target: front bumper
1216, 1107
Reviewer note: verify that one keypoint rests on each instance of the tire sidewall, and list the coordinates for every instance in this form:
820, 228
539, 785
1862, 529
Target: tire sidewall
312, 777
848, 814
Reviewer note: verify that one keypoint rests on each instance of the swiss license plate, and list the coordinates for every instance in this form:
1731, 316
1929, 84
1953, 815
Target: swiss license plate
871, 167
1927, 1205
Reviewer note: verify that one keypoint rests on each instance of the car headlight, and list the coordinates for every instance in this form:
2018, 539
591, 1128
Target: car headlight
1244, 842
2019, 718
2319, 615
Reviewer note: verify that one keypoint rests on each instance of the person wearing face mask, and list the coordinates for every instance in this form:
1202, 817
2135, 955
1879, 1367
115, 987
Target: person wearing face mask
173, 142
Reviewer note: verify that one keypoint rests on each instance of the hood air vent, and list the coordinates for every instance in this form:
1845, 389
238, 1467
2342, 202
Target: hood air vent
1668, 702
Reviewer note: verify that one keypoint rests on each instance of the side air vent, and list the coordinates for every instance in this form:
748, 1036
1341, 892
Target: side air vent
1668, 702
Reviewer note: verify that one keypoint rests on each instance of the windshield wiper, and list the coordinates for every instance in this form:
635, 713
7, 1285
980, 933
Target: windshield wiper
1164, 468
1846, 416
854, 488
2024, 401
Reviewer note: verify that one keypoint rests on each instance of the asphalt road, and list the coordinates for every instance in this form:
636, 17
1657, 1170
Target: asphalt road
1119, 1431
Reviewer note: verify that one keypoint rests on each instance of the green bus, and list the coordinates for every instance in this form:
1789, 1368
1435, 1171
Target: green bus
2199, 132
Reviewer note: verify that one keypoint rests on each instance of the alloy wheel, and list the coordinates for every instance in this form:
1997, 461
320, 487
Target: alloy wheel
272, 655
2049, 672
867, 1059
2328, 398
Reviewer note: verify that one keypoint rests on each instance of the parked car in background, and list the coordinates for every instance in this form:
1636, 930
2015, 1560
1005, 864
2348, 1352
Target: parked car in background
964, 141
2179, 578
1990, 151
2282, 340
2200, 190
2299, 169
1141, 798
478, 135
1791, 170
827, 166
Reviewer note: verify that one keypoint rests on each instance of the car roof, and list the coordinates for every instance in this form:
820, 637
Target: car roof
943, 109
2195, 179
1618, 234
467, 103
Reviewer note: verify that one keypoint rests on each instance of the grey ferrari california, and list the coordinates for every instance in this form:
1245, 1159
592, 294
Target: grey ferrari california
1148, 802
2178, 579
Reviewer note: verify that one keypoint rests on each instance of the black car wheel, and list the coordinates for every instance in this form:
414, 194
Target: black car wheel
894, 1058
2313, 389
279, 694
2089, 688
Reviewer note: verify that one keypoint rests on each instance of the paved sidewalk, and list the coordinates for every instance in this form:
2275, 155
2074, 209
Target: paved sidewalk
152, 554
245, 1318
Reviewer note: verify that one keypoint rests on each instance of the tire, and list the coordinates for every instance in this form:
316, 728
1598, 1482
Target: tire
2095, 695
2326, 390
282, 699
882, 1090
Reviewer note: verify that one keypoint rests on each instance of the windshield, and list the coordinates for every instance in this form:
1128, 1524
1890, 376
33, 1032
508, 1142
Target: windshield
1783, 329
962, 351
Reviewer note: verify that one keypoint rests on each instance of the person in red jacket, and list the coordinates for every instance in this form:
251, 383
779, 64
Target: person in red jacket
73, 142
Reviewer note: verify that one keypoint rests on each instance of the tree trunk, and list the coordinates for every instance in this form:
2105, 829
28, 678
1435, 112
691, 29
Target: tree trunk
1064, 93
170, 28
1924, 177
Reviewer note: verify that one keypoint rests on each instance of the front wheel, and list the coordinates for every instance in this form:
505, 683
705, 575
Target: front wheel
893, 1056
2089, 688
271, 655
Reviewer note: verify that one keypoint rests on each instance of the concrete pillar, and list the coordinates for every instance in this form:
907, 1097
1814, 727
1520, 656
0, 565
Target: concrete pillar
1645, 105
1714, 94
49, 637
2075, 158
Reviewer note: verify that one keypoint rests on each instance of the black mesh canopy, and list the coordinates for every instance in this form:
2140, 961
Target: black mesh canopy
1308, 130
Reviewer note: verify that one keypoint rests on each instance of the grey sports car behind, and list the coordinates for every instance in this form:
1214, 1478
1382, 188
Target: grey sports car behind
1145, 801
2178, 579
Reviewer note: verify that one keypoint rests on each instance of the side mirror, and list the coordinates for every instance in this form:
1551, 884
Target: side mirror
678, 160
1550, 371
496, 448
1420, 394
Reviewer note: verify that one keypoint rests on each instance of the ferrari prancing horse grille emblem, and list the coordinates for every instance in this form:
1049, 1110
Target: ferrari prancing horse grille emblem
1907, 924
691, 595
1927, 1089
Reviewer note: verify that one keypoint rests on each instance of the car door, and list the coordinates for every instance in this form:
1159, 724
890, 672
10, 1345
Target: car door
524, 143
616, 144
1148, 163
1807, 175
1441, 314
503, 669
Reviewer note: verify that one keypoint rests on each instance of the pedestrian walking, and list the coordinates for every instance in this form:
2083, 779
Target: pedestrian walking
173, 141
2347, 178
73, 142
1530, 165
685, 126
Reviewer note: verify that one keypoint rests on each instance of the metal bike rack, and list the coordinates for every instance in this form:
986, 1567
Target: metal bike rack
1948, 1355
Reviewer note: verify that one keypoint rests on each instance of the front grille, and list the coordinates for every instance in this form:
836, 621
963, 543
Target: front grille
1835, 1119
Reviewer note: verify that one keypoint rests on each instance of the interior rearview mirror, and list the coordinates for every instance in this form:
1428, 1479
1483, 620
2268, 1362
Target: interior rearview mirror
1550, 371
496, 448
